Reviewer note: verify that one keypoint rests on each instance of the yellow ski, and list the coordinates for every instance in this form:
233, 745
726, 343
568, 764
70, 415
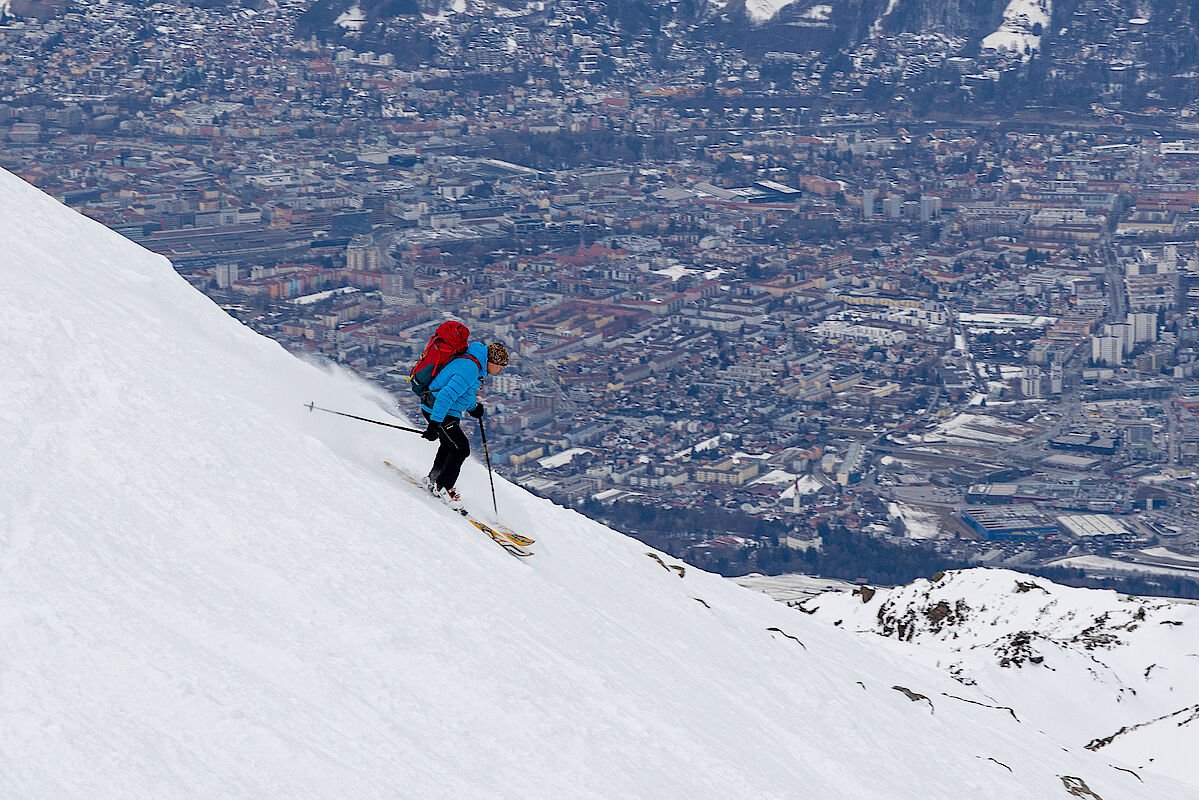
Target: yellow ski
514, 543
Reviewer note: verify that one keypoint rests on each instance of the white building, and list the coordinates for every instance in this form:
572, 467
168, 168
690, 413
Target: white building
1107, 350
1030, 383
868, 197
226, 274
1055, 378
1144, 327
1170, 258
930, 208
1123, 332
866, 334
362, 254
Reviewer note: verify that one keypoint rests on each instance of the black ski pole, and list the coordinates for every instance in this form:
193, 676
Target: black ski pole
315, 407
487, 456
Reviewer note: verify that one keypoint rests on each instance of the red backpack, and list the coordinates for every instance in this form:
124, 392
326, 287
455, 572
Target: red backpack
447, 343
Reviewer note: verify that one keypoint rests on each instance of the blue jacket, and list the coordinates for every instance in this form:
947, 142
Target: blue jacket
455, 386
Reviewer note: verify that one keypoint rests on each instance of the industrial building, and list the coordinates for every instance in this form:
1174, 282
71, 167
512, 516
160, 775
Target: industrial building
1009, 522
1084, 525
1080, 494
1085, 443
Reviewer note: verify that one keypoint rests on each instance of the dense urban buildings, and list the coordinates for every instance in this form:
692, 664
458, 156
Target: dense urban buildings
976, 334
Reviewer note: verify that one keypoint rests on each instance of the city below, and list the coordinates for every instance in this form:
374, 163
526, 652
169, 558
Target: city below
971, 335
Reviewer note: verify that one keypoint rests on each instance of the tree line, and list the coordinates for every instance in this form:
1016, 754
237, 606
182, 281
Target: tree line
690, 534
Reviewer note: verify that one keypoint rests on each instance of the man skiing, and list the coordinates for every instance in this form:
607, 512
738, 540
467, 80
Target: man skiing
454, 392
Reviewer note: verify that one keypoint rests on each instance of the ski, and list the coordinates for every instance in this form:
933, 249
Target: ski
405, 475
513, 542
504, 542
524, 541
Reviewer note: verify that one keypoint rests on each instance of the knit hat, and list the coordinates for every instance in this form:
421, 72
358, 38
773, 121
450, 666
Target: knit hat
497, 354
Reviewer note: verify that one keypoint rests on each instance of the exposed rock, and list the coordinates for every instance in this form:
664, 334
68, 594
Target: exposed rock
1077, 787
915, 697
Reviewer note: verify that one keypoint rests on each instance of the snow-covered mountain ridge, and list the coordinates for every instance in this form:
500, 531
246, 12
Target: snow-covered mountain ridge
1122, 672
207, 590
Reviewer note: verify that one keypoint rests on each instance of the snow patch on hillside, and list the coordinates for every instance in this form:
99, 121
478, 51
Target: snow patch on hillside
876, 27
765, 10
1015, 34
352, 19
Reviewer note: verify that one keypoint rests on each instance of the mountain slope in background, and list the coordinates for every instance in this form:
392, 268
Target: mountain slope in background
1122, 671
1123, 49
207, 590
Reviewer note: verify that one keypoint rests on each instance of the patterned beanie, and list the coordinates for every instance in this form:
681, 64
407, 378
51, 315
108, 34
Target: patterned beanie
497, 354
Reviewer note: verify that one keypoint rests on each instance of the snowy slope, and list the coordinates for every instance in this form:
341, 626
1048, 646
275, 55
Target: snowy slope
763, 10
1122, 672
1019, 21
208, 591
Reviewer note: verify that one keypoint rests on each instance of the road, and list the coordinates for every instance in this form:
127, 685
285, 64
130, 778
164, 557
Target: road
1115, 282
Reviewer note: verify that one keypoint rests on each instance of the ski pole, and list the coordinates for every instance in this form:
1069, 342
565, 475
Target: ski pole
314, 406
487, 456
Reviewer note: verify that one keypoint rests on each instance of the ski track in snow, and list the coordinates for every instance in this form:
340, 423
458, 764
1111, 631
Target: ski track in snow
207, 590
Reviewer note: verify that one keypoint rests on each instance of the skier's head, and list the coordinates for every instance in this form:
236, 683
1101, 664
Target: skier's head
497, 357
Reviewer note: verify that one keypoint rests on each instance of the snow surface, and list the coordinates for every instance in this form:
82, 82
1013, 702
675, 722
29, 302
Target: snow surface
1015, 33
316, 297
706, 444
775, 476
352, 18
818, 13
207, 590
791, 588
561, 459
807, 484
1091, 664
918, 524
1165, 552
876, 27
765, 10
675, 272
961, 429
1115, 565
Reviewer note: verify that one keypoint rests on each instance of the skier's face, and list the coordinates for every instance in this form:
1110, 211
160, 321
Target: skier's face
494, 368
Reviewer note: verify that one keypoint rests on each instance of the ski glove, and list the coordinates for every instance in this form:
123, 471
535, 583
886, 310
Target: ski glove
477, 411
431, 431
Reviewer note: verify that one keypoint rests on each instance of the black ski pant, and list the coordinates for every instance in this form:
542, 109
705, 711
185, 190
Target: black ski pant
451, 454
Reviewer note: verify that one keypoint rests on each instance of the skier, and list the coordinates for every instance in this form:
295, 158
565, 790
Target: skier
454, 389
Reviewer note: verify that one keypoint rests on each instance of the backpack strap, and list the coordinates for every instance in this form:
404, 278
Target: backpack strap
428, 398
